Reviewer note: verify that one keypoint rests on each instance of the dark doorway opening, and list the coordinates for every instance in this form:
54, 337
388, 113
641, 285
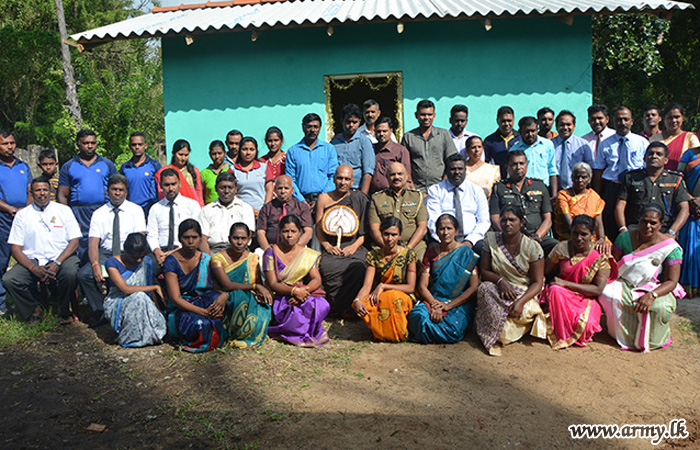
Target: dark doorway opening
385, 88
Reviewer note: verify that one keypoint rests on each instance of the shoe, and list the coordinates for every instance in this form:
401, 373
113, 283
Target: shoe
97, 321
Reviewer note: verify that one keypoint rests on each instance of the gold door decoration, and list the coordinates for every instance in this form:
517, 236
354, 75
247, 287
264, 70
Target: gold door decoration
375, 82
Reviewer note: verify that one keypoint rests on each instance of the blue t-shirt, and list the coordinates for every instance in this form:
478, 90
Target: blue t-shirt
88, 185
14, 182
142, 181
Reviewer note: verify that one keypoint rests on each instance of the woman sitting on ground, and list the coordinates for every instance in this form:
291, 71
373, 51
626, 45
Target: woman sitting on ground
237, 272
196, 309
640, 304
292, 273
446, 284
131, 304
580, 199
572, 296
512, 273
386, 297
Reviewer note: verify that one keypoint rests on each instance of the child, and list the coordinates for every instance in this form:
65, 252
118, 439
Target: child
49, 165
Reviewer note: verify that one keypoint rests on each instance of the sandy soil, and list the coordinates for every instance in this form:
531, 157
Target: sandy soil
354, 393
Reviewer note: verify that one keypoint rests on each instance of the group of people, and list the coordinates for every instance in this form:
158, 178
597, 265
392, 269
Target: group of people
530, 231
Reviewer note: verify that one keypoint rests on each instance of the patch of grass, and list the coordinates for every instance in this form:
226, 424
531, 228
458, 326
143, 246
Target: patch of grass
16, 331
689, 329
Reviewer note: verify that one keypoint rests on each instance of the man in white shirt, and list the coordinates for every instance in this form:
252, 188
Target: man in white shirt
110, 224
461, 198
165, 217
370, 113
216, 218
44, 238
459, 116
598, 120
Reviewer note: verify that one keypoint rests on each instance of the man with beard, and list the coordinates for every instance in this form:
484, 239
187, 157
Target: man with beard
545, 119
459, 116
355, 149
541, 161
497, 144
233, 145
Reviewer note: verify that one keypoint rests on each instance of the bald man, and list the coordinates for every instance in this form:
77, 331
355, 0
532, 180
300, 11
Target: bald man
400, 201
342, 263
283, 205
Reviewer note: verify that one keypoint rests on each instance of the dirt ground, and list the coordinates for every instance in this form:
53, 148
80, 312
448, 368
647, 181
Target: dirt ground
353, 394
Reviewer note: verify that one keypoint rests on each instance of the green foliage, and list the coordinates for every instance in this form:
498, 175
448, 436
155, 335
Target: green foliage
119, 84
15, 331
640, 59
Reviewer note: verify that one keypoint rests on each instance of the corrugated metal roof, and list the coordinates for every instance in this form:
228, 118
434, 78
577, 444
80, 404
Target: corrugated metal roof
253, 14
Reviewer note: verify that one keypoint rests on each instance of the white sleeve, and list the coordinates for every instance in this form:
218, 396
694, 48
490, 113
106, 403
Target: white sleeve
17, 230
204, 223
95, 225
432, 204
152, 228
140, 220
249, 217
483, 219
72, 226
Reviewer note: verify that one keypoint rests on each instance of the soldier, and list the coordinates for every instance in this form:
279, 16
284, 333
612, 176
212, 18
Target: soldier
654, 184
530, 194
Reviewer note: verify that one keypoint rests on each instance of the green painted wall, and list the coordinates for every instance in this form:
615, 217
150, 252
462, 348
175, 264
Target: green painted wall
224, 80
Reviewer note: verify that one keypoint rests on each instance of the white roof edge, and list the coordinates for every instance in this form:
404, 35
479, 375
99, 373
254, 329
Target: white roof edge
322, 12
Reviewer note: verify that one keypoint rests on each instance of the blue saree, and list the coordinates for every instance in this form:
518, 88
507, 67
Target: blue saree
196, 333
449, 277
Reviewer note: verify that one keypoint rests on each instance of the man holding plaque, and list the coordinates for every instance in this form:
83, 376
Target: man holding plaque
340, 228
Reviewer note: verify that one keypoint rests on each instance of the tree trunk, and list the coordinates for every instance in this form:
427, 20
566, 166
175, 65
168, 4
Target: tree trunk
68, 74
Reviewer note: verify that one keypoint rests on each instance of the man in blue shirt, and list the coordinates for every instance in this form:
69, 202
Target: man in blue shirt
355, 149
82, 184
618, 154
311, 163
540, 154
140, 171
569, 149
497, 144
15, 178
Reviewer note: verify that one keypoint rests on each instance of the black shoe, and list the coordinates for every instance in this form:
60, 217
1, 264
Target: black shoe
97, 321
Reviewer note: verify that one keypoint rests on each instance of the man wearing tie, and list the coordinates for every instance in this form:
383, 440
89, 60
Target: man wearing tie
110, 224
464, 199
569, 149
617, 155
598, 120
165, 217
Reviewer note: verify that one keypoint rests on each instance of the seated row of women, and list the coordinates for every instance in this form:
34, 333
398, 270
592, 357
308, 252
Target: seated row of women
636, 286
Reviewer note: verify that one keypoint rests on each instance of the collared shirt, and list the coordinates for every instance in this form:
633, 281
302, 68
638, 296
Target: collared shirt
408, 206
311, 170
88, 184
648, 136
209, 182
428, 155
475, 208
131, 220
44, 234
357, 153
251, 183
216, 219
365, 132
142, 181
159, 219
533, 199
608, 158
460, 143
668, 191
541, 161
577, 150
594, 139
496, 149
270, 215
383, 158
14, 183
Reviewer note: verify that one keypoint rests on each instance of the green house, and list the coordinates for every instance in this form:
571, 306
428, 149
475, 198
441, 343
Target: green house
250, 64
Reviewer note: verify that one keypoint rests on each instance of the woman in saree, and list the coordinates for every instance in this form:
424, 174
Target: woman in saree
292, 273
512, 273
689, 235
446, 286
196, 309
640, 304
386, 296
677, 140
580, 199
479, 172
131, 303
190, 179
574, 312
248, 308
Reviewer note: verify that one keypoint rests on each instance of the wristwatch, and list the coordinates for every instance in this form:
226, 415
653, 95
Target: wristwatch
654, 294
672, 233
58, 263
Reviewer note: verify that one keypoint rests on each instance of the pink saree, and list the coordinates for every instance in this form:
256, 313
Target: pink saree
574, 319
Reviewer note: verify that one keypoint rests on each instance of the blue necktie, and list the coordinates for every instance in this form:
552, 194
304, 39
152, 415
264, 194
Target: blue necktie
564, 175
622, 159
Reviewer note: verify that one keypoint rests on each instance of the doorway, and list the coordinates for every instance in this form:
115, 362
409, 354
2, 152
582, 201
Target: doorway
385, 88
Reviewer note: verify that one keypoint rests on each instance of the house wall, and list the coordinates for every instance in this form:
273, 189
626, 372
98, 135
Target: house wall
224, 80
